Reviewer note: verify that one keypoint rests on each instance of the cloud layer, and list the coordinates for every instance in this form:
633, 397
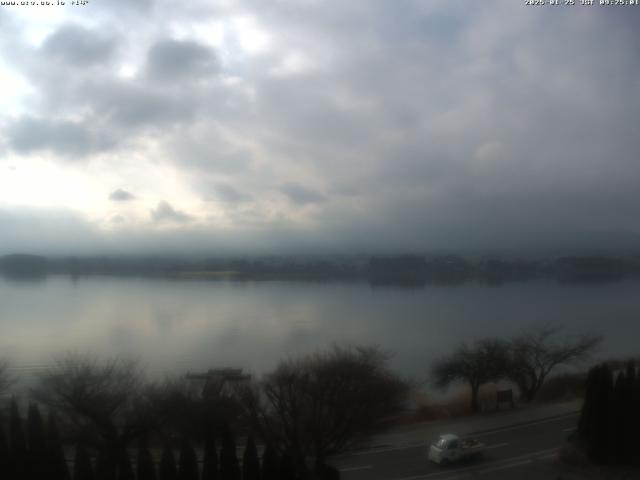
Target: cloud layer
327, 126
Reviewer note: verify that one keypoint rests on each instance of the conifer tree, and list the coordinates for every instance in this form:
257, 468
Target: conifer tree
125, 470
326, 472
82, 468
250, 461
586, 424
636, 418
618, 418
106, 467
188, 463
17, 442
210, 464
610, 417
287, 469
601, 452
628, 434
270, 463
146, 468
630, 371
5, 466
229, 466
168, 469
38, 462
55, 453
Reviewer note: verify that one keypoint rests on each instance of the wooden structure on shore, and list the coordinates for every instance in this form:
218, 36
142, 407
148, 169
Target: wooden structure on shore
218, 382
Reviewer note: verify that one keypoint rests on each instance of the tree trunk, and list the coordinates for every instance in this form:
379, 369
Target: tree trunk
528, 394
475, 406
528, 388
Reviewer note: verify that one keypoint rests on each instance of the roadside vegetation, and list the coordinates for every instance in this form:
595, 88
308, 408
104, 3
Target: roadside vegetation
116, 425
526, 361
325, 403
610, 420
112, 423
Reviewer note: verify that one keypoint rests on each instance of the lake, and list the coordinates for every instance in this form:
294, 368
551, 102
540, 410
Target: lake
173, 326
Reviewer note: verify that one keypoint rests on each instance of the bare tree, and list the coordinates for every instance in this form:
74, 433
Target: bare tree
483, 362
324, 403
103, 398
535, 354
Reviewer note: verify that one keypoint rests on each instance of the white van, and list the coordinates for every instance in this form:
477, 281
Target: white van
450, 449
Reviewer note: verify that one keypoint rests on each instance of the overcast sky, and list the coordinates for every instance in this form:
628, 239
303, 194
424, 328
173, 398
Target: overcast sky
301, 125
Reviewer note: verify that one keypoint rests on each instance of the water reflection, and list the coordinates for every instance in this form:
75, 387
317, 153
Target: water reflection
174, 326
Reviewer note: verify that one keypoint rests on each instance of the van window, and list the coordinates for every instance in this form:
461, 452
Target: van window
453, 445
441, 443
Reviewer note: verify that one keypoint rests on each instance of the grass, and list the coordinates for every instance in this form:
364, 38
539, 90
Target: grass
559, 388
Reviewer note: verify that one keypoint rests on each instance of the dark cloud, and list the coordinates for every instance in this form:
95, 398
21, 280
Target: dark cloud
165, 213
78, 46
229, 194
121, 195
29, 134
301, 195
171, 60
129, 105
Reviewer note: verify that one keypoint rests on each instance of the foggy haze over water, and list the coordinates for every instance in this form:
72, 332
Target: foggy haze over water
175, 326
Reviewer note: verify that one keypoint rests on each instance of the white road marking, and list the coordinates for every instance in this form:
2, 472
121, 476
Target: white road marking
519, 427
499, 445
569, 429
373, 451
407, 447
505, 467
353, 469
547, 457
506, 463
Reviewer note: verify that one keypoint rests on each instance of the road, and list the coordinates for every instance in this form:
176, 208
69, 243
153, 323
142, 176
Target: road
511, 451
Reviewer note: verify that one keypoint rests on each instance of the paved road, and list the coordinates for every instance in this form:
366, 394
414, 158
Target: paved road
510, 450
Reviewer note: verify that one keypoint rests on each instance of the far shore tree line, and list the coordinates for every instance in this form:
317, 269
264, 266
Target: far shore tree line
410, 270
306, 410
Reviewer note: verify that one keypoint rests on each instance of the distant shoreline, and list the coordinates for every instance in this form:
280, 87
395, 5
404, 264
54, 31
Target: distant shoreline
399, 270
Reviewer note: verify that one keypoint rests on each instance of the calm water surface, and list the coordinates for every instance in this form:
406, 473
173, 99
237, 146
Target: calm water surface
174, 326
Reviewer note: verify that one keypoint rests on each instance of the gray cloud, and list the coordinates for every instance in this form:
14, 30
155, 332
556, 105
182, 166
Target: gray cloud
171, 60
164, 212
206, 150
28, 134
229, 194
120, 195
129, 105
435, 124
301, 195
78, 46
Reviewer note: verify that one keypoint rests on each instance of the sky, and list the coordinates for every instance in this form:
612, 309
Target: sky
301, 126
